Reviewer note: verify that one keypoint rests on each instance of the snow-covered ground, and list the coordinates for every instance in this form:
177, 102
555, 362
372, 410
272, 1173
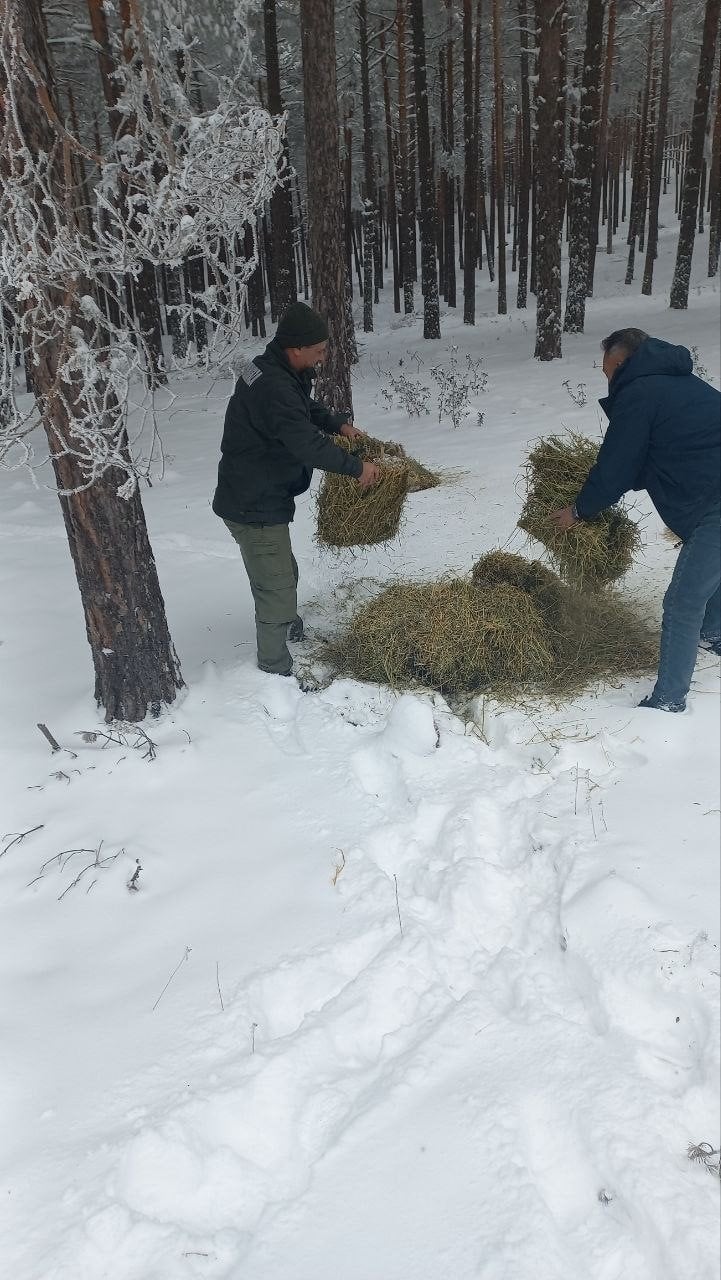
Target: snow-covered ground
443, 998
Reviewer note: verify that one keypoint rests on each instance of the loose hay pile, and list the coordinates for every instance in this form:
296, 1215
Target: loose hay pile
593, 553
539, 582
514, 628
444, 634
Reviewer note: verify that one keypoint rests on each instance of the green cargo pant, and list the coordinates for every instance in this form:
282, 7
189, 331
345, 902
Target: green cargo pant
273, 576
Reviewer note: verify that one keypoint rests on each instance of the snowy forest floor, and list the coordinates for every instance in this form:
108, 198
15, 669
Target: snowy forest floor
444, 997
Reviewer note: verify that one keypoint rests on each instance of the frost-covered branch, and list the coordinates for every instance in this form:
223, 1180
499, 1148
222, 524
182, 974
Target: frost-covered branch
79, 230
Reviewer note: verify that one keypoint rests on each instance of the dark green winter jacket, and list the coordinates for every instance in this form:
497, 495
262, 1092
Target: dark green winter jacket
274, 435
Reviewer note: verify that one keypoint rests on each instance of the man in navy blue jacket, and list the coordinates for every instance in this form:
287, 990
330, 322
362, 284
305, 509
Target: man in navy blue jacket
664, 435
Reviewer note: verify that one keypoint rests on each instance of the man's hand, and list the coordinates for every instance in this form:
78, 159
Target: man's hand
564, 519
350, 432
369, 476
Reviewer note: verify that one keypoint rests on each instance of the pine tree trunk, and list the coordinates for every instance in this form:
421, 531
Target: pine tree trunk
601, 149
281, 201
714, 222
325, 199
407, 204
499, 157
639, 164
580, 186
390, 152
136, 668
470, 179
550, 19
659, 147
525, 174
450, 233
429, 275
370, 213
692, 178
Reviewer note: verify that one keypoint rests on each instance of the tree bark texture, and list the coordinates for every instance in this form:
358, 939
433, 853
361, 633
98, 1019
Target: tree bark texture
325, 199
429, 273
550, 17
580, 184
281, 201
659, 147
470, 177
136, 668
692, 176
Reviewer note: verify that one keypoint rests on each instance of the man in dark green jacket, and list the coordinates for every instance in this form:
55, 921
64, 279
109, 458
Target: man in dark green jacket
275, 434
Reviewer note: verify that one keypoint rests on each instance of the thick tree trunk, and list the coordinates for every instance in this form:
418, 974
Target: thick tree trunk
659, 146
550, 18
580, 186
281, 201
325, 199
136, 668
429, 274
692, 178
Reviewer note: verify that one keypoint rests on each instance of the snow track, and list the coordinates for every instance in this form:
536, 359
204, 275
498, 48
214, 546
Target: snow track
535, 1048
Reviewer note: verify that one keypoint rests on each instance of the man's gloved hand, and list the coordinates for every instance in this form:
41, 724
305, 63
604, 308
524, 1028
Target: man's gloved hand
350, 432
564, 519
369, 476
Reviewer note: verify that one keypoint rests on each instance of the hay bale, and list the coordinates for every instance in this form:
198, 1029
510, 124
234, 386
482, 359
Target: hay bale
349, 516
446, 635
593, 553
369, 449
540, 583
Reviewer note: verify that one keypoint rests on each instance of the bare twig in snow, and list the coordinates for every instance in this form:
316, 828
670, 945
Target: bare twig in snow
17, 838
133, 881
398, 908
217, 983
182, 960
338, 868
252, 1036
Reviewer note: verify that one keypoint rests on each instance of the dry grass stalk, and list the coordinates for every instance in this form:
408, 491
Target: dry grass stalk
594, 553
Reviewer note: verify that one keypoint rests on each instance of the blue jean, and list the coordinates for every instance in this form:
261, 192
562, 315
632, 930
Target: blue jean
691, 609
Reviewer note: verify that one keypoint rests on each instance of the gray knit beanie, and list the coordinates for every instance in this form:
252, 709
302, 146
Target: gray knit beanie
301, 326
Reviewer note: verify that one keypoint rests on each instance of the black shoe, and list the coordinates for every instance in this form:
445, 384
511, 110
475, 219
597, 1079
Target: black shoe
711, 646
296, 630
657, 705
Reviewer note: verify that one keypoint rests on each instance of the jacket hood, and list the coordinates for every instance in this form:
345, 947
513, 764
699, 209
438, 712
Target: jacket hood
654, 356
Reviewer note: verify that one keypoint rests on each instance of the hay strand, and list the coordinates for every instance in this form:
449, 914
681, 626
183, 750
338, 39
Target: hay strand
594, 553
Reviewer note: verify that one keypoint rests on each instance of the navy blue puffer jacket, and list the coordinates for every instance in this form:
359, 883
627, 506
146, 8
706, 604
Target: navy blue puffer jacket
664, 435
